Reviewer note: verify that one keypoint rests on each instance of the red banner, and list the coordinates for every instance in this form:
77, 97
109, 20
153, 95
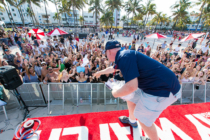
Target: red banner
181, 122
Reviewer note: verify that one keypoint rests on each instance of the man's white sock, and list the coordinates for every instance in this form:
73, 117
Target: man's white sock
132, 121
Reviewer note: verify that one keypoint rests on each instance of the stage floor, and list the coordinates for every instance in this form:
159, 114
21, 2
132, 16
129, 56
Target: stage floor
187, 122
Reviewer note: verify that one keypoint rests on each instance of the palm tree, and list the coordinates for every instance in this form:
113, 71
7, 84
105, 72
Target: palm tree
16, 4
133, 6
35, 2
107, 19
45, 3
113, 4
201, 3
56, 2
180, 8
29, 12
124, 19
179, 15
148, 10
3, 2
65, 8
56, 17
81, 20
96, 8
157, 19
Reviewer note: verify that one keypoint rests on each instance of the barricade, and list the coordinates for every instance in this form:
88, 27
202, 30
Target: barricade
87, 94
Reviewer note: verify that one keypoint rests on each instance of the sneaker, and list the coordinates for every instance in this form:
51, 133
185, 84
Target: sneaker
144, 138
125, 119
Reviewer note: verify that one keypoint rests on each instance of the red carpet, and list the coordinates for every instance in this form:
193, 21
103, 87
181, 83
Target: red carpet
181, 122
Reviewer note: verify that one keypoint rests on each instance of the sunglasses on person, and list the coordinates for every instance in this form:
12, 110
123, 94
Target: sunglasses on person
43, 64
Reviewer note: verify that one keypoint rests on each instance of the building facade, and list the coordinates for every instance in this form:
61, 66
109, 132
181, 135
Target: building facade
39, 12
90, 19
194, 17
116, 16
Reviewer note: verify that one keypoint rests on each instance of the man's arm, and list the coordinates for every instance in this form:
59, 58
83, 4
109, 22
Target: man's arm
128, 88
106, 71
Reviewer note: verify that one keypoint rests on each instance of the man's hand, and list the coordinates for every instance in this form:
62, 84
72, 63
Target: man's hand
114, 93
97, 74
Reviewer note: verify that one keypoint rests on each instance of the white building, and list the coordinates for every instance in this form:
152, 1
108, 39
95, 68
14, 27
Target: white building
194, 19
39, 12
70, 19
116, 16
90, 19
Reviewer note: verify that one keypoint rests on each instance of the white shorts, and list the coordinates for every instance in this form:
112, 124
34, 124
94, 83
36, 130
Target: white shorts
148, 107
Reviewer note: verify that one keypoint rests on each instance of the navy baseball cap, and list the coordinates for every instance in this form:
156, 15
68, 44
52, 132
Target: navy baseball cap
112, 45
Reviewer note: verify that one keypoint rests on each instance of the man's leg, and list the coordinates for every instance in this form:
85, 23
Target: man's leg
151, 131
131, 119
131, 107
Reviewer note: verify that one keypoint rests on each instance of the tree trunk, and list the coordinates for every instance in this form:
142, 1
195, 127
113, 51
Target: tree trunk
20, 16
46, 12
200, 15
74, 17
33, 14
9, 16
96, 22
174, 24
57, 12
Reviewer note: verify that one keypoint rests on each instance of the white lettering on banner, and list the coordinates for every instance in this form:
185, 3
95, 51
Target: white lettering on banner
167, 134
120, 132
55, 134
137, 132
203, 131
34, 137
81, 130
104, 132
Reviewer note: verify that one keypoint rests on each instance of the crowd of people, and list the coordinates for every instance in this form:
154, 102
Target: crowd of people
71, 59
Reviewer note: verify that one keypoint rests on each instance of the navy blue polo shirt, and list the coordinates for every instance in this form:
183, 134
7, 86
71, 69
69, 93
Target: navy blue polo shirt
153, 77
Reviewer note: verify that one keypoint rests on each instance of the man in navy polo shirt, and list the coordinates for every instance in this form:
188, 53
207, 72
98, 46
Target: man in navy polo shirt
156, 87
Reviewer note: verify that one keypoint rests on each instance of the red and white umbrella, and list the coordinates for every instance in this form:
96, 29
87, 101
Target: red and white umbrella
37, 32
156, 36
56, 32
192, 36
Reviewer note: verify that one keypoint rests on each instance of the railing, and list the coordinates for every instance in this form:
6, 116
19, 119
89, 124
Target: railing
83, 94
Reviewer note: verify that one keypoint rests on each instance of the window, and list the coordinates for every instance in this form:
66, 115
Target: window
90, 21
90, 16
192, 25
2, 18
14, 14
85, 16
64, 19
13, 9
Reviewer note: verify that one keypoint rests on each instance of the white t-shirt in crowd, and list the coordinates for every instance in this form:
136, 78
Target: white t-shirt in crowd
177, 49
37, 49
74, 41
204, 49
42, 46
62, 59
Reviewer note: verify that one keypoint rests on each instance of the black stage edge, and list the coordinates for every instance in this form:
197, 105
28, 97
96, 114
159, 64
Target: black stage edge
81, 35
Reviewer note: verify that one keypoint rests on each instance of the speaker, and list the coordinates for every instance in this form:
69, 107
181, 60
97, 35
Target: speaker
9, 77
82, 35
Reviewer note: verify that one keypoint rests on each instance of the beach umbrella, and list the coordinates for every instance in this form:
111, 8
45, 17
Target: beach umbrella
56, 32
192, 36
37, 32
156, 36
